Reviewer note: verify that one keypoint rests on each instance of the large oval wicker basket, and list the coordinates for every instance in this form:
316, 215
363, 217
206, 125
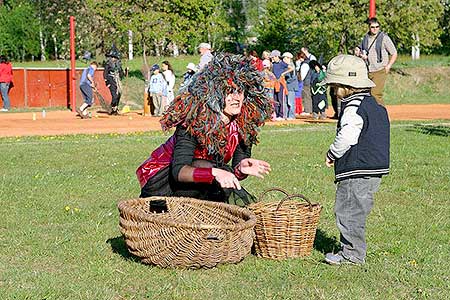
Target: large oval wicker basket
190, 234
286, 228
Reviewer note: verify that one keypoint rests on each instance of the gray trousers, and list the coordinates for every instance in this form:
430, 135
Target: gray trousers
307, 99
157, 103
354, 201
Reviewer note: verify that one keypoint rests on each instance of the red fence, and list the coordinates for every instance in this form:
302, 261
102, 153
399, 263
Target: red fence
48, 87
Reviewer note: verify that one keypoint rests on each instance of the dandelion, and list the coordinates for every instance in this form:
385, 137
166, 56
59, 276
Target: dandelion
67, 208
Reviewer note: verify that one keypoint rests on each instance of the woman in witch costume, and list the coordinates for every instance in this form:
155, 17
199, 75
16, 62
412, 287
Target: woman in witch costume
217, 120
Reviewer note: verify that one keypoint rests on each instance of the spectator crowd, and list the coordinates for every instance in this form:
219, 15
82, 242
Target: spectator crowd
292, 80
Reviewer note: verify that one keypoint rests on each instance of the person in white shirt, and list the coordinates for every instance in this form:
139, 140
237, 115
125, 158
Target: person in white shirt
206, 55
169, 76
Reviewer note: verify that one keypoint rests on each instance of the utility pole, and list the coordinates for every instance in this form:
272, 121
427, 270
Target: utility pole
372, 12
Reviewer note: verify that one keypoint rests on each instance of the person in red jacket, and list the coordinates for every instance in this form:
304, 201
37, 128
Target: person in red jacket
5, 82
256, 61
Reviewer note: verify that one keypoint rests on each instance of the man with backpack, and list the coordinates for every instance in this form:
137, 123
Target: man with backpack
376, 47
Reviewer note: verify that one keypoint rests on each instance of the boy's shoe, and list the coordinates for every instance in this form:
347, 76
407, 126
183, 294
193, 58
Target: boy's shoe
337, 259
4, 110
79, 113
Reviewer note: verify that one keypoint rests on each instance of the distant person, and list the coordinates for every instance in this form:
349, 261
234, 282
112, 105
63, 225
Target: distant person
376, 47
279, 68
256, 61
309, 55
292, 87
318, 91
265, 55
112, 74
87, 56
305, 77
6, 76
269, 84
157, 88
169, 76
191, 70
87, 83
359, 153
205, 55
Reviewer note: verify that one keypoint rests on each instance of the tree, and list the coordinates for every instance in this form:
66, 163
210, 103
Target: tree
331, 27
445, 25
18, 31
158, 24
408, 20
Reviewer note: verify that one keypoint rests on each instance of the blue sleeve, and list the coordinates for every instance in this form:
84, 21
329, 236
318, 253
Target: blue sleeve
91, 71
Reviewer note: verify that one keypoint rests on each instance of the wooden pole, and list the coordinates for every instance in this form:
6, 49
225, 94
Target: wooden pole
73, 94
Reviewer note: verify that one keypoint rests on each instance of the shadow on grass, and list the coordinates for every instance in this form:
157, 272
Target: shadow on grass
437, 130
324, 243
118, 246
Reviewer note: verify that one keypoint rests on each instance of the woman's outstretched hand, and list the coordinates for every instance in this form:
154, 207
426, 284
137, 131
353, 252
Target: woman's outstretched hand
227, 180
255, 167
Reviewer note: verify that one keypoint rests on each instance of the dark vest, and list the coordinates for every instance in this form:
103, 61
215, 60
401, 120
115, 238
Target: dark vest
307, 79
378, 43
370, 156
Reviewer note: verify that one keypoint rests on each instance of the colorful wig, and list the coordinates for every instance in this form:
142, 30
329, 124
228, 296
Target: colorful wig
199, 108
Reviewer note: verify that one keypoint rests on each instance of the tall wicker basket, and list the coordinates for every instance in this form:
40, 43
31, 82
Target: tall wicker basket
190, 234
286, 228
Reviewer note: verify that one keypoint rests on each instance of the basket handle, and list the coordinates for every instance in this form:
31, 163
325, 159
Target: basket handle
288, 197
261, 198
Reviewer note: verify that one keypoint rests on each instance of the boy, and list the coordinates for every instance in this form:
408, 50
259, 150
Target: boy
359, 153
86, 85
157, 87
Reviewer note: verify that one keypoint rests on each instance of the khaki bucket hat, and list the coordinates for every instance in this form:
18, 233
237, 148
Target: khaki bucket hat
348, 70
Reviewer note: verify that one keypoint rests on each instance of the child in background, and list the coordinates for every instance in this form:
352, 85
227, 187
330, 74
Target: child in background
269, 83
157, 88
191, 70
86, 85
318, 92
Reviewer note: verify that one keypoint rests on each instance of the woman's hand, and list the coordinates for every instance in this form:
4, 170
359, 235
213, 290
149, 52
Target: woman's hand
255, 167
226, 179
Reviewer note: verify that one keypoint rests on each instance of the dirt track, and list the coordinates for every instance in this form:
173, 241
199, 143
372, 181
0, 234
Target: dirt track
65, 122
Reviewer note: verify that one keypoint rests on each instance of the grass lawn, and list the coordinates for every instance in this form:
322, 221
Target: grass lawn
60, 239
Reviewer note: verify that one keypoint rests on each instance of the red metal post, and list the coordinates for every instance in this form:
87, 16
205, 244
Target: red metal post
73, 95
372, 12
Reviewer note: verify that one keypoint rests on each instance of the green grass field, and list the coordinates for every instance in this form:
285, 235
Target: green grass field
60, 239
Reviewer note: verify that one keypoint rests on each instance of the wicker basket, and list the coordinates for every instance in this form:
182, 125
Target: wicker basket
191, 234
285, 229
